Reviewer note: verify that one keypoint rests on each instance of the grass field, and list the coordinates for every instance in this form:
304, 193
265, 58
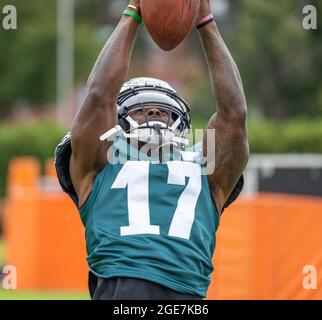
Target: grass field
21, 295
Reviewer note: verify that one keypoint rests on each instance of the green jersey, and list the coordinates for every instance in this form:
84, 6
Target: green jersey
151, 220
146, 219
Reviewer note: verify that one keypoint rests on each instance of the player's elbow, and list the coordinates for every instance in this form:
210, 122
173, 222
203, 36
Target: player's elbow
236, 115
98, 95
241, 114
95, 96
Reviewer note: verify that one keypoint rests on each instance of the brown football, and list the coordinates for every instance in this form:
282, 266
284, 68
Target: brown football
169, 22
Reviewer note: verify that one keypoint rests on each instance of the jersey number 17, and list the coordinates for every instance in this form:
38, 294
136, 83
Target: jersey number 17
134, 176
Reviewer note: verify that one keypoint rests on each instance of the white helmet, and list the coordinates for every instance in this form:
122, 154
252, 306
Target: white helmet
140, 93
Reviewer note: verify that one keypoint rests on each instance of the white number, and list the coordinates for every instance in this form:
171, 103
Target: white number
135, 176
185, 213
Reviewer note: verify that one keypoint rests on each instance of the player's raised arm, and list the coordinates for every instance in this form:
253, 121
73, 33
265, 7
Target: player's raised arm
231, 149
98, 112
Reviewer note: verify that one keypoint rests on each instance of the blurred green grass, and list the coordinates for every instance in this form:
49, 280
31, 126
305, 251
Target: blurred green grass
30, 295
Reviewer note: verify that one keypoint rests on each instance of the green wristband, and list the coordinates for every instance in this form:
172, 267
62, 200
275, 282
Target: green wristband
134, 15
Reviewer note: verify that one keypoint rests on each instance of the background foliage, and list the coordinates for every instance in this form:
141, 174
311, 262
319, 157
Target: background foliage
40, 139
279, 60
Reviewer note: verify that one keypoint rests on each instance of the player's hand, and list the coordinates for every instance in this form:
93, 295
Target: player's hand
205, 9
136, 3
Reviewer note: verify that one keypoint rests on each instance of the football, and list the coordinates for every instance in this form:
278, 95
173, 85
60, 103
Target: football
169, 22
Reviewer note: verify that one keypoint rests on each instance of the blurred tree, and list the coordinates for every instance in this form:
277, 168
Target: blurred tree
27, 61
280, 61
28, 55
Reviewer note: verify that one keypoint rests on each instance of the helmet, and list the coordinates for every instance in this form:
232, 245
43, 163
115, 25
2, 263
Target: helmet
140, 93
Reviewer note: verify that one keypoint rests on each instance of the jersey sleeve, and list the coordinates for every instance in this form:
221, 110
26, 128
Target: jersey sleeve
235, 193
62, 156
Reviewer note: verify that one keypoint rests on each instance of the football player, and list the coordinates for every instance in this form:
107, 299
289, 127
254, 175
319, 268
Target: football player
151, 216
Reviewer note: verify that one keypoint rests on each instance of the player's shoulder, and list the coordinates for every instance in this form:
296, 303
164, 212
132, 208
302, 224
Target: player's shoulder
62, 157
63, 146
